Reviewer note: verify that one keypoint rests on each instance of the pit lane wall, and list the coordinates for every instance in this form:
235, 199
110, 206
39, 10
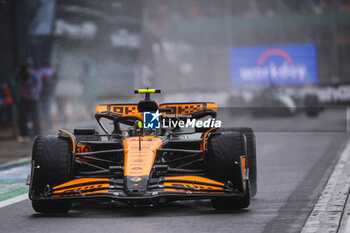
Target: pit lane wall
334, 94
329, 94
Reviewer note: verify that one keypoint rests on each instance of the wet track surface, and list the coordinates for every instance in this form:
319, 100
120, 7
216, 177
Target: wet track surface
292, 171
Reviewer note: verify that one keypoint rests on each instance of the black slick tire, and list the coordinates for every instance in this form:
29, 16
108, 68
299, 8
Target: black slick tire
51, 156
251, 154
223, 164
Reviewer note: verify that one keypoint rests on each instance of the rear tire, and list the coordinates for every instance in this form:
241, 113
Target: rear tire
223, 164
312, 105
52, 157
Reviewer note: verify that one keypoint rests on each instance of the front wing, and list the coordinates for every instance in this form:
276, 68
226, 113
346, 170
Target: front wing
177, 187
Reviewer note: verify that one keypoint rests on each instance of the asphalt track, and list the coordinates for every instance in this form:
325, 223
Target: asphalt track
292, 171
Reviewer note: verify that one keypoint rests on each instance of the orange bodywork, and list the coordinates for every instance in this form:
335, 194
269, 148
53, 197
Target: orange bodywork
177, 108
194, 186
244, 166
212, 106
101, 108
88, 185
139, 155
83, 148
188, 108
174, 181
203, 144
72, 138
85, 188
193, 179
122, 110
81, 181
68, 193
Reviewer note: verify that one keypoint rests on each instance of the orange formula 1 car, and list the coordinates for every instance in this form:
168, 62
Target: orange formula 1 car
145, 157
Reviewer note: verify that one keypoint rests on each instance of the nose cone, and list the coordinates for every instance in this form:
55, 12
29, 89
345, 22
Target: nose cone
139, 156
136, 186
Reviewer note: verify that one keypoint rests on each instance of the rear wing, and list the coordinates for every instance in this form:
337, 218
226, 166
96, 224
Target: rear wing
118, 109
195, 109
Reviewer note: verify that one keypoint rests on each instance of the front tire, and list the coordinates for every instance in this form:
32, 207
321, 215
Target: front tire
251, 155
223, 164
227, 203
51, 156
51, 207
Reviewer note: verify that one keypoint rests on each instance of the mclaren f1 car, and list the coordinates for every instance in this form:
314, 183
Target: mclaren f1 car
140, 165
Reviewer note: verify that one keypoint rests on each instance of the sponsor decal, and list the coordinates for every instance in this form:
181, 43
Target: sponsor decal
136, 168
168, 132
138, 160
135, 179
175, 187
125, 133
83, 148
283, 64
138, 164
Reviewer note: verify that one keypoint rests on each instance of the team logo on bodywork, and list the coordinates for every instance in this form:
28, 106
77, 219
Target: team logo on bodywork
135, 179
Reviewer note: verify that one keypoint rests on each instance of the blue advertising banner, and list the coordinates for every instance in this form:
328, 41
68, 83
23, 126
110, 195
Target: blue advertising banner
281, 64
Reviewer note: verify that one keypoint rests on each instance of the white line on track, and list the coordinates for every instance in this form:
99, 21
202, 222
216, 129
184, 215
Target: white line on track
13, 200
